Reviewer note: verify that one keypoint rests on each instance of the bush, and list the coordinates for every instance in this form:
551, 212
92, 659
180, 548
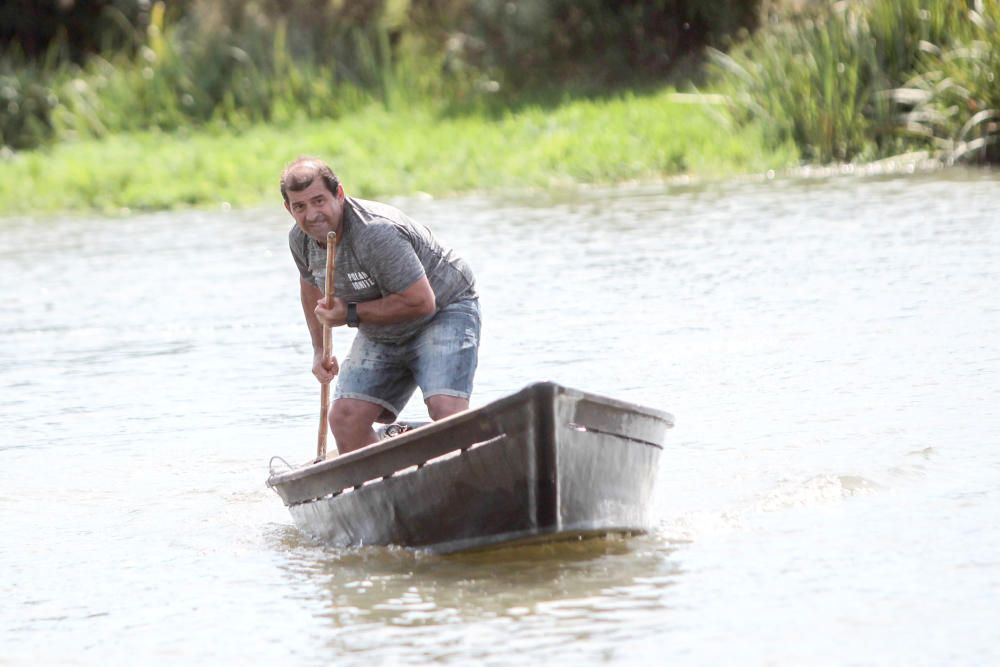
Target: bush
26, 104
591, 43
75, 28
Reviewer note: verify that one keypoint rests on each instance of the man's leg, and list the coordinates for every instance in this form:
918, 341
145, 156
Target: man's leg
373, 385
351, 420
440, 406
448, 356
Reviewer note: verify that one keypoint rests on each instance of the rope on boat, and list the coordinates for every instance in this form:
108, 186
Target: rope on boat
270, 465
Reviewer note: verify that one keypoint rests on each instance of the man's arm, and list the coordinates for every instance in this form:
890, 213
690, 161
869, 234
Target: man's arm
414, 302
309, 294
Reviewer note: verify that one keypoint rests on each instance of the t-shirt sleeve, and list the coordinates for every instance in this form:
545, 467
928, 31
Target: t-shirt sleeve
297, 244
391, 258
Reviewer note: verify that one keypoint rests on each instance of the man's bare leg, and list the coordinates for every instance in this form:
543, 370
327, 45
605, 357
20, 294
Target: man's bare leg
440, 406
351, 421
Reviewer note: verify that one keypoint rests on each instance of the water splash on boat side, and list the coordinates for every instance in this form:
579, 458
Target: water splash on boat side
787, 495
817, 490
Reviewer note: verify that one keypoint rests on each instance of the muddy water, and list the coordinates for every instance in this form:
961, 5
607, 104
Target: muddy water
830, 495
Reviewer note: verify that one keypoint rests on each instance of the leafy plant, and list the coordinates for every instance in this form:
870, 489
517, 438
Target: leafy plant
955, 99
874, 78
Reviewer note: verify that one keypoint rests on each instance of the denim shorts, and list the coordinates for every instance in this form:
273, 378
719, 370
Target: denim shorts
441, 359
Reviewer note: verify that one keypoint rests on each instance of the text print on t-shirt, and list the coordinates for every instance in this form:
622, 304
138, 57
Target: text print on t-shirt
360, 280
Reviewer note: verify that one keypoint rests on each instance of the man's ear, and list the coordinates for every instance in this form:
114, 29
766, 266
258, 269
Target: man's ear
340, 192
288, 208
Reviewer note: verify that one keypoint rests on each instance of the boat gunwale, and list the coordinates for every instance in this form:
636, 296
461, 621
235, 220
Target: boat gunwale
545, 391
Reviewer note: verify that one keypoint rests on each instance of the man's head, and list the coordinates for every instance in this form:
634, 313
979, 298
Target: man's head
300, 174
314, 197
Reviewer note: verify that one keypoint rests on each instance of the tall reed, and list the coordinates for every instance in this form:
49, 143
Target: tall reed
955, 97
871, 78
811, 82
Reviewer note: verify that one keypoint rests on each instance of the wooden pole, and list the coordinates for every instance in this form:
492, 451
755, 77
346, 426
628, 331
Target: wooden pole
324, 394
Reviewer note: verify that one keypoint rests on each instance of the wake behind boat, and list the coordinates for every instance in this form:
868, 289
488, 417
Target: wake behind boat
545, 463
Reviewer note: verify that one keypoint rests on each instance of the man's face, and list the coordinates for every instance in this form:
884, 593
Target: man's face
317, 210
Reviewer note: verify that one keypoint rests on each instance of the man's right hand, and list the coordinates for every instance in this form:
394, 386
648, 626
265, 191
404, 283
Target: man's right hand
325, 372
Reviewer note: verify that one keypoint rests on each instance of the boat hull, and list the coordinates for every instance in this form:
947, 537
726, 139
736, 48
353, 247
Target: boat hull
546, 463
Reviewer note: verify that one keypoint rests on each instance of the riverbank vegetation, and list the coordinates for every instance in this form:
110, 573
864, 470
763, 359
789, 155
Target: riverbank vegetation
379, 152
138, 104
869, 79
236, 63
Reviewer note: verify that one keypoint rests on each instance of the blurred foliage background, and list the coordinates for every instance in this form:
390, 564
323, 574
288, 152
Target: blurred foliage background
848, 80
70, 68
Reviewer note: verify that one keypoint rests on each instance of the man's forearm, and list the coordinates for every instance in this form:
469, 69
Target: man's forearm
390, 309
414, 302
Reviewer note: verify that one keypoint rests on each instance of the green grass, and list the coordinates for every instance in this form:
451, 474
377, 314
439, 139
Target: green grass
378, 153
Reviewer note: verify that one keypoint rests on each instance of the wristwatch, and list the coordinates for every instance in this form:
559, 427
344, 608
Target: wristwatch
352, 315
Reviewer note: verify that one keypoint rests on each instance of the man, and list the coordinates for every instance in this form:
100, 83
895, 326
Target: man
413, 301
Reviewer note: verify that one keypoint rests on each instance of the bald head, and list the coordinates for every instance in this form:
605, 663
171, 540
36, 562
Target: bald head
301, 173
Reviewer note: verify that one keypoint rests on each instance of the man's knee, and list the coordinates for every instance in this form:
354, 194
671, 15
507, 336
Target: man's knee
440, 406
351, 419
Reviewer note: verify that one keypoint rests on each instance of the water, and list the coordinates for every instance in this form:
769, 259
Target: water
830, 495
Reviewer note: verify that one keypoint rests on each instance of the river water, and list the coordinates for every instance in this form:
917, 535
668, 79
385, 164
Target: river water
830, 348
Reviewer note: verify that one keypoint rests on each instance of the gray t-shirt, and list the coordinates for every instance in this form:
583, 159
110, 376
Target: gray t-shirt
381, 251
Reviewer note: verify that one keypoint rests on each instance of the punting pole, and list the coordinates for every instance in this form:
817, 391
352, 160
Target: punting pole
324, 394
